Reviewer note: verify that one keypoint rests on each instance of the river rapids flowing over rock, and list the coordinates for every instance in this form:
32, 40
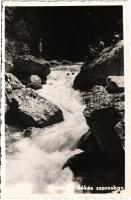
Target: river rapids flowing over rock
35, 167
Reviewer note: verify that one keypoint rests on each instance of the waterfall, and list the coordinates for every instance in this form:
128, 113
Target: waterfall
36, 165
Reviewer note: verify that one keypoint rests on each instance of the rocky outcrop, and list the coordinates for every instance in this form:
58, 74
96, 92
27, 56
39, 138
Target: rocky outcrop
103, 159
34, 82
115, 84
25, 66
30, 109
103, 111
27, 108
109, 62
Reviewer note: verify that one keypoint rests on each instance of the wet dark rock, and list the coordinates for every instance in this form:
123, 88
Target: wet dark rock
27, 132
103, 111
34, 82
115, 84
109, 62
88, 143
27, 65
32, 132
103, 160
95, 169
82, 162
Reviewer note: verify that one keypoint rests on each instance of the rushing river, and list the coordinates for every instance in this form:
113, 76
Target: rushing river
36, 166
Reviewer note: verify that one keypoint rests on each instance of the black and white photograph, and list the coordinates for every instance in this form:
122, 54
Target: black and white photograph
64, 100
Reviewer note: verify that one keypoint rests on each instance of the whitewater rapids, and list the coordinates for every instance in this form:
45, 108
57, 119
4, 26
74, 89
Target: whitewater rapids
36, 165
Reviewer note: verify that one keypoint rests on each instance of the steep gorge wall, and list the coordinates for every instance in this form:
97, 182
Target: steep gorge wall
102, 162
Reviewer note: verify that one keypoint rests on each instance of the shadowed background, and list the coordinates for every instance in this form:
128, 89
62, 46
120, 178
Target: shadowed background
66, 31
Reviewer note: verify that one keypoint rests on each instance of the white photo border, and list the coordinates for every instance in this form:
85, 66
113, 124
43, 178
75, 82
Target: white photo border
126, 194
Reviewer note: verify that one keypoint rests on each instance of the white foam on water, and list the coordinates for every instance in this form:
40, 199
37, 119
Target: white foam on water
36, 166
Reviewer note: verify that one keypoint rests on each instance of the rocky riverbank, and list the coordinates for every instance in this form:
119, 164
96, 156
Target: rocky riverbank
109, 62
102, 83
25, 108
89, 142
102, 162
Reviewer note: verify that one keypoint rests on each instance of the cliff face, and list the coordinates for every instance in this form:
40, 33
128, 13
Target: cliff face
109, 62
21, 33
103, 158
21, 26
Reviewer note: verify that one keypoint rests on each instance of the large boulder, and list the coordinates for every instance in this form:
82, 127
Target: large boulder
34, 82
102, 113
27, 65
95, 169
109, 62
25, 107
88, 143
103, 160
30, 109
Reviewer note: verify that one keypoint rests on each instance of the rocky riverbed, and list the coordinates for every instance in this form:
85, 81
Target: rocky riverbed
59, 136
